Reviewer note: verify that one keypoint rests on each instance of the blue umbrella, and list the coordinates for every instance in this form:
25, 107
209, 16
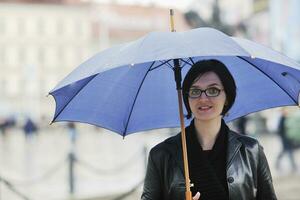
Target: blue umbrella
130, 87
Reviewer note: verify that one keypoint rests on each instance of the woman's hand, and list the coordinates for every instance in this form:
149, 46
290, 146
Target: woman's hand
197, 196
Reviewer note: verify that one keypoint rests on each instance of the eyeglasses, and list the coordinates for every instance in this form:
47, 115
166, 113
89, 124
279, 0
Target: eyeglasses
209, 92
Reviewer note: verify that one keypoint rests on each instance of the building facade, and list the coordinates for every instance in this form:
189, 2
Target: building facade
40, 43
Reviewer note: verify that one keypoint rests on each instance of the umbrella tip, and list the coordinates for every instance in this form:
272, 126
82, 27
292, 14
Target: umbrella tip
172, 20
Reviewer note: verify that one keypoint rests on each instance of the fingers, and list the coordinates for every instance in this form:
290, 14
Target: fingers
197, 196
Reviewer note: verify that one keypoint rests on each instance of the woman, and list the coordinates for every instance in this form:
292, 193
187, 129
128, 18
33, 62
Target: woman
222, 163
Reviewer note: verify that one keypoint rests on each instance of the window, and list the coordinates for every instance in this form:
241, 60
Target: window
21, 26
78, 28
11, 55
41, 27
60, 55
2, 26
12, 86
22, 55
2, 55
59, 27
3, 86
41, 55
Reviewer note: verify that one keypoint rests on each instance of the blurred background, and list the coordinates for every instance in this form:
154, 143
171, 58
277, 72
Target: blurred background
41, 41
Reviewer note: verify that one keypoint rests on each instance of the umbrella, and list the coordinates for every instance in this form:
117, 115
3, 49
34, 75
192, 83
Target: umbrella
130, 87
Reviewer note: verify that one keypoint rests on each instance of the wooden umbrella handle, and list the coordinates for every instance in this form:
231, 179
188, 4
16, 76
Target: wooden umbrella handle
177, 74
188, 194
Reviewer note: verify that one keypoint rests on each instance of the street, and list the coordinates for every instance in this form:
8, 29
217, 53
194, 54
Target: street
106, 165
286, 182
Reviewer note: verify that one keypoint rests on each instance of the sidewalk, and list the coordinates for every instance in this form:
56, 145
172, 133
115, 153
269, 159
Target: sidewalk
286, 182
287, 187
22, 160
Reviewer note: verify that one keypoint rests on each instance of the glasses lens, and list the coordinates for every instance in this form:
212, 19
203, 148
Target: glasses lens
194, 93
212, 92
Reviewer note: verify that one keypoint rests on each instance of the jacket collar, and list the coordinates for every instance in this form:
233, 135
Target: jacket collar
233, 147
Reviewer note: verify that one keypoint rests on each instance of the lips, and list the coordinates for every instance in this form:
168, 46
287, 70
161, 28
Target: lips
204, 108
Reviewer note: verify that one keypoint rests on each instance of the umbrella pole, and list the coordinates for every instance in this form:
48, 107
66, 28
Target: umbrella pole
177, 73
177, 76
188, 193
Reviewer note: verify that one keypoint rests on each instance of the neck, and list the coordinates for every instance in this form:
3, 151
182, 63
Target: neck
207, 132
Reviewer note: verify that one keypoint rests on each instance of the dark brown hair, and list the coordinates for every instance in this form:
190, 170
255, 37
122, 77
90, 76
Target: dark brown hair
222, 72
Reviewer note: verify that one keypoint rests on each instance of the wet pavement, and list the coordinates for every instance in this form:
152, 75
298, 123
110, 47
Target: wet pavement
286, 180
106, 166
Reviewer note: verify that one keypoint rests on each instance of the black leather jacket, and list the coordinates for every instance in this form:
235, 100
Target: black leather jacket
248, 174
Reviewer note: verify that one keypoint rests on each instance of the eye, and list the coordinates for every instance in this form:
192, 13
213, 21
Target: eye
213, 91
194, 92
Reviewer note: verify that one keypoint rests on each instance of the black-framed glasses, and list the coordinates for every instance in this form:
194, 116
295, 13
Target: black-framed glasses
209, 92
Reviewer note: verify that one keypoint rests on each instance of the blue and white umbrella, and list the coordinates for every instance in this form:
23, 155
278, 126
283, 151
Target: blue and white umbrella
131, 88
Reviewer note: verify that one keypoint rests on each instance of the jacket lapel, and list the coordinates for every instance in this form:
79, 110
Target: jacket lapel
233, 147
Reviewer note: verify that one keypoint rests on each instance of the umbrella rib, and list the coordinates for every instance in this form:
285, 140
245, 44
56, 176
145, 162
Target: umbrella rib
125, 130
71, 99
186, 62
163, 63
190, 58
268, 77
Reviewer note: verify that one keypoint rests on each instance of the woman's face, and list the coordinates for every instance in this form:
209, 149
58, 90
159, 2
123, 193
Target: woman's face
206, 108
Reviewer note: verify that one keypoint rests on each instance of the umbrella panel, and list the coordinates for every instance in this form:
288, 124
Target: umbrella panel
141, 97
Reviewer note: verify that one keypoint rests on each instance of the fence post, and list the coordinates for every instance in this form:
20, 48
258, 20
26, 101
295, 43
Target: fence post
71, 159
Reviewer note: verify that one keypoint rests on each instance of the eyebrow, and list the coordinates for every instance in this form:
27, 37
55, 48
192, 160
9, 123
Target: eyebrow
213, 84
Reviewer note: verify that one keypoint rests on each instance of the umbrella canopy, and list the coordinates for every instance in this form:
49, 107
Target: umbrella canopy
131, 88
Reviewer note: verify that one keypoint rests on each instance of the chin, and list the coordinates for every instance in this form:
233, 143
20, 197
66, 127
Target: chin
208, 117
204, 118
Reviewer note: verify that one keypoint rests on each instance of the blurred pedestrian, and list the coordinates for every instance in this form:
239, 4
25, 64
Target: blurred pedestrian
293, 128
72, 132
6, 124
3, 126
29, 127
287, 148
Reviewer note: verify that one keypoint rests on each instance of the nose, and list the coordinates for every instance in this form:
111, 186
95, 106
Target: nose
202, 95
